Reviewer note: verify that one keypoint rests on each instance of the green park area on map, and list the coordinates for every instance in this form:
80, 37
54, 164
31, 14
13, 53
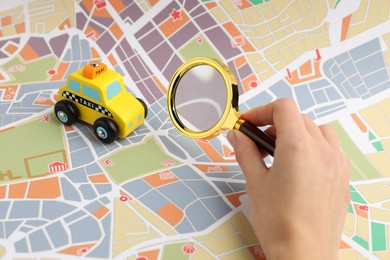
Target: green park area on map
360, 168
34, 70
28, 149
128, 162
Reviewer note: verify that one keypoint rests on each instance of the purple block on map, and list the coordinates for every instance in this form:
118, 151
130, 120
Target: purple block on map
139, 67
58, 44
106, 42
127, 48
3, 55
131, 71
165, 13
150, 41
172, 67
133, 12
183, 35
234, 70
189, 5
245, 71
120, 53
161, 55
39, 45
153, 88
80, 20
96, 27
198, 11
145, 92
222, 43
85, 9
144, 30
106, 21
205, 21
15, 40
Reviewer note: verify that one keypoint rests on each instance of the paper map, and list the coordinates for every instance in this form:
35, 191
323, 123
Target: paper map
157, 194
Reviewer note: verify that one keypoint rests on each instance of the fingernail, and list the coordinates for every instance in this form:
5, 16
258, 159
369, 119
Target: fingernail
231, 136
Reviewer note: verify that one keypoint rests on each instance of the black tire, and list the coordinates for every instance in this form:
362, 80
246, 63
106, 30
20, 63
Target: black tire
105, 130
66, 112
145, 107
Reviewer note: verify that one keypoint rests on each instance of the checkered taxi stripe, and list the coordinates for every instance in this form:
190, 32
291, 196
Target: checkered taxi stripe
87, 103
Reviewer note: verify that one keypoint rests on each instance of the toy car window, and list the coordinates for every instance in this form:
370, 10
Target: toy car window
91, 93
113, 89
74, 85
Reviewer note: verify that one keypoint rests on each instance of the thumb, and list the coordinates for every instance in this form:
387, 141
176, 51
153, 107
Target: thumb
248, 155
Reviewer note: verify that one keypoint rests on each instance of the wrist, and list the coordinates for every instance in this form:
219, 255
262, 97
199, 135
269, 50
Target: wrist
299, 245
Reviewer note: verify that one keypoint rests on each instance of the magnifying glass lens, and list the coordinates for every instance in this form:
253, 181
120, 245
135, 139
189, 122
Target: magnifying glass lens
203, 102
200, 98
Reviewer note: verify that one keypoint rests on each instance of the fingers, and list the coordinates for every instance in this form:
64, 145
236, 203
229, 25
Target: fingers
311, 127
282, 113
330, 135
248, 155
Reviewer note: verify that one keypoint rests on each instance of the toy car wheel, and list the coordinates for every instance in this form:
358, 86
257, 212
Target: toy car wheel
144, 105
66, 112
105, 130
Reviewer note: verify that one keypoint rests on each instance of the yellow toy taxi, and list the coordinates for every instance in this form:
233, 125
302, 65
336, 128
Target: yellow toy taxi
97, 96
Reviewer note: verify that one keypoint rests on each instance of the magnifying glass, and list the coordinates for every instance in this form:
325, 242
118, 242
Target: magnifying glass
203, 102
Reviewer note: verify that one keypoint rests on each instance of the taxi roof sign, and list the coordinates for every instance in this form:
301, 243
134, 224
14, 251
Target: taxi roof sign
93, 70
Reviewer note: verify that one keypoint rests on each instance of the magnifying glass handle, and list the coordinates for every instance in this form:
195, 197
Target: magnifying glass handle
261, 139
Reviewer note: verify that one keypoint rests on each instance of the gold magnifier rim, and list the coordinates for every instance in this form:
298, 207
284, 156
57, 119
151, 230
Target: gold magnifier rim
231, 112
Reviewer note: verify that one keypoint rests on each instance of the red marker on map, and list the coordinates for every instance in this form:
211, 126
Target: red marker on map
363, 208
91, 35
318, 58
168, 163
188, 249
288, 73
100, 3
52, 72
199, 39
176, 15
45, 119
108, 162
253, 84
123, 198
82, 251
142, 258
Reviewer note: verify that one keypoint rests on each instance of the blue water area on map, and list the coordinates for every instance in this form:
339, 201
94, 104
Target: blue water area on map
11, 227
4, 206
87, 191
137, 188
185, 172
38, 241
85, 230
224, 187
35, 222
103, 188
201, 188
103, 248
359, 72
74, 216
69, 192
154, 200
25, 209
57, 234
171, 190
217, 206
77, 175
184, 226
93, 206
199, 216
21, 246
173, 148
